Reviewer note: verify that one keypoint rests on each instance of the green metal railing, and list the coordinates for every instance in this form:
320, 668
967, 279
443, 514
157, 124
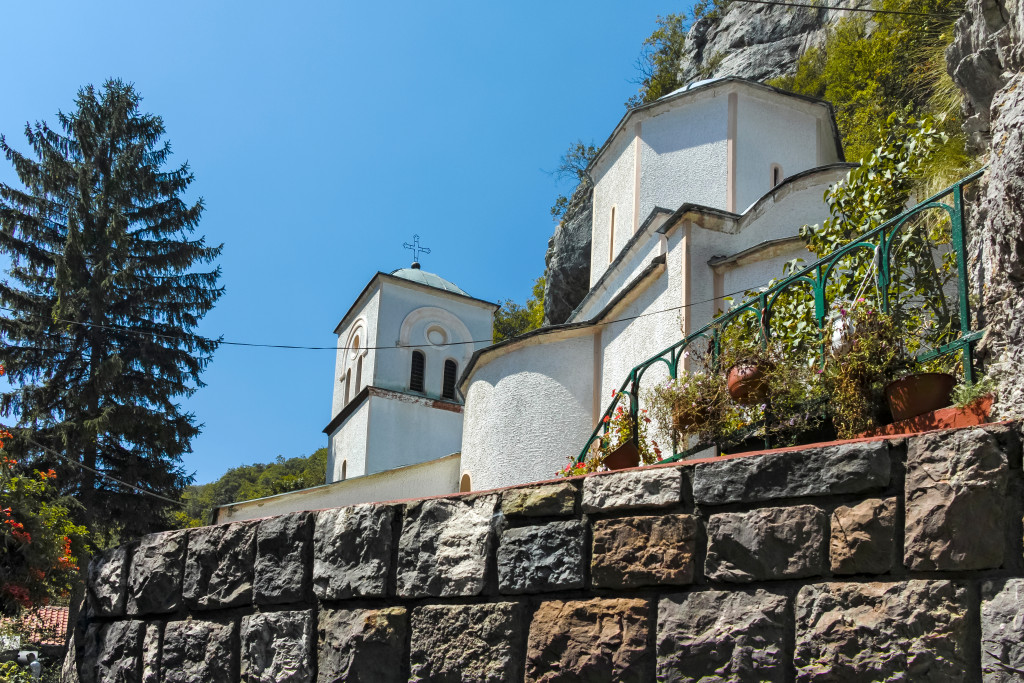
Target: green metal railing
879, 242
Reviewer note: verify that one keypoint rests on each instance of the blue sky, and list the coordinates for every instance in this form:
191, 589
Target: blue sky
322, 136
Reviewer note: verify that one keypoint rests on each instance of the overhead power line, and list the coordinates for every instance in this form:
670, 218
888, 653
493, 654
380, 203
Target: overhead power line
933, 15
100, 473
140, 333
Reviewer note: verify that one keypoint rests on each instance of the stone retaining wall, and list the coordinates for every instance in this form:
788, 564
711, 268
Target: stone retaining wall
883, 560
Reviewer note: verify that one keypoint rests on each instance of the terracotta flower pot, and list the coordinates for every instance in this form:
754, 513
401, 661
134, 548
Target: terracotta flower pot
747, 383
919, 394
624, 456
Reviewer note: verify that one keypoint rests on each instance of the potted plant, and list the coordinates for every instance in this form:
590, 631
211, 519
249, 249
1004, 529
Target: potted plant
617, 448
748, 362
694, 404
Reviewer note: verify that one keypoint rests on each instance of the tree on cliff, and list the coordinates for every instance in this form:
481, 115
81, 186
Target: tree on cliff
100, 304
512, 320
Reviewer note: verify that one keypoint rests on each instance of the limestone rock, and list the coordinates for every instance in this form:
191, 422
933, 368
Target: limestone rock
915, 631
151, 644
545, 557
653, 488
567, 262
107, 582
154, 578
863, 537
539, 501
1002, 631
112, 652
444, 546
955, 501
590, 640
362, 645
219, 568
758, 42
454, 643
352, 552
284, 548
849, 468
643, 551
722, 636
199, 651
768, 543
277, 647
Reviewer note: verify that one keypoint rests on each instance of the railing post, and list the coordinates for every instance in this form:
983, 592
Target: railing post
959, 246
881, 259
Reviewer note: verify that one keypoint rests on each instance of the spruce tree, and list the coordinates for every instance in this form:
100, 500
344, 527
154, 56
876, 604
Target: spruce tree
100, 306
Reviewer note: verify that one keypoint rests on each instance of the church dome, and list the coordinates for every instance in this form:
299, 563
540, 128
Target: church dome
416, 274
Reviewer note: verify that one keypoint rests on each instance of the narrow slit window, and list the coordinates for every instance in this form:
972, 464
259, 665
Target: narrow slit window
348, 384
451, 372
611, 238
777, 176
416, 372
359, 374
344, 470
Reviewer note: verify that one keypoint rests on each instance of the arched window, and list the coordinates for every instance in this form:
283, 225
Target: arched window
451, 373
348, 384
344, 469
777, 176
611, 238
359, 373
416, 372
465, 485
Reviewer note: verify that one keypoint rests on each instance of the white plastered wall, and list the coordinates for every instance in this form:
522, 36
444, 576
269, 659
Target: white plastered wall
348, 444
613, 188
405, 430
362, 322
528, 410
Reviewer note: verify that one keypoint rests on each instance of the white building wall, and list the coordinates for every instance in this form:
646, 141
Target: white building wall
527, 411
397, 302
770, 132
366, 319
613, 187
404, 431
684, 155
348, 443
435, 478
639, 258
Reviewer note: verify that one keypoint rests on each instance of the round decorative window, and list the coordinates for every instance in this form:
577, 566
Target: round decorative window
436, 335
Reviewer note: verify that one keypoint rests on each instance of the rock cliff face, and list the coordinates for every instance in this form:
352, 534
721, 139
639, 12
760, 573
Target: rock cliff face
568, 259
987, 62
755, 41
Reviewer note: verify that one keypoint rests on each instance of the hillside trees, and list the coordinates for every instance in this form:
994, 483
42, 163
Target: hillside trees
512, 319
100, 306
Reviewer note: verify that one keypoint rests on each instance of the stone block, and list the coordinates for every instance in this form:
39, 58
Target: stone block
643, 551
152, 641
155, 573
107, 582
219, 568
454, 643
653, 488
955, 501
277, 647
546, 557
914, 630
849, 468
864, 537
768, 543
362, 645
284, 550
352, 552
112, 652
554, 500
722, 636
444, 546
1002, 631
590, 640
199, 651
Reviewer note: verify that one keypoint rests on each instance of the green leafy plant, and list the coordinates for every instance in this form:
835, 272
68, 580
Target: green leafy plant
965, 394
619, 431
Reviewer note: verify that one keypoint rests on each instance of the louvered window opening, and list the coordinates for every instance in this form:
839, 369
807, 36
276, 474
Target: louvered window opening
451, 371
416, 373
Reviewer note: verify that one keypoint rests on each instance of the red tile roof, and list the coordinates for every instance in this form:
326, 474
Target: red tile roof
44, 625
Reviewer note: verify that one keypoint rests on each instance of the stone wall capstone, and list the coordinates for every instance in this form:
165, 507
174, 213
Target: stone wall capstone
891, 560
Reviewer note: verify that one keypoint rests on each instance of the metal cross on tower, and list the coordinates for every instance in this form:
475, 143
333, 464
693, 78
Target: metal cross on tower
416, 249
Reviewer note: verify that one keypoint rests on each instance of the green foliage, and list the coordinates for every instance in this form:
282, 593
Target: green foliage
105, 299
39, 542
893, 64
11, 672
965, 394
659, 60
572, 166
512, 320
248, 482
619, 431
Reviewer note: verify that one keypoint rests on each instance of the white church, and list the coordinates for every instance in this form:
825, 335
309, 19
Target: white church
697, 195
